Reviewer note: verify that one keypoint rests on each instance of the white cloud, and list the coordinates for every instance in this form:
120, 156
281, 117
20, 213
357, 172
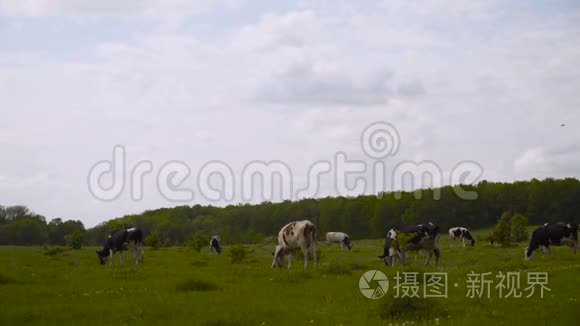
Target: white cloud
38, 8
473, 9
563, 161
295, 85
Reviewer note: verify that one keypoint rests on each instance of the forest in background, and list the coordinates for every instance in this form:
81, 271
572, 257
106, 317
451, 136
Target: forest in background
365, 216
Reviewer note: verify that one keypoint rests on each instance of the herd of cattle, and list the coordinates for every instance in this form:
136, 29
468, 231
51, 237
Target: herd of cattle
301, 235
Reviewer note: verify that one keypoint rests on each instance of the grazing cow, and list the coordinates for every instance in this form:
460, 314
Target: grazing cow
339, 237
461, 233
118, 241
411, 238
214, 244
555, 234
293, 236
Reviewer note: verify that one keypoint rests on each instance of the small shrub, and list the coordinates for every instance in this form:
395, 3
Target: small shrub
199, 263
411, 309
153, 241
510, 228
518, 228
74, 240
502, 231
358, 267
196, 286
53, 251
6, 280
238, 254
199, 240
223, 323
337, 268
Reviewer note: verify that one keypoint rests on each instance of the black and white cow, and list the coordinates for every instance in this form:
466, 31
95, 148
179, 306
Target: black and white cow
294, 236
118, 241
555, 234
399, 241
462, 233
214, 244
339, 237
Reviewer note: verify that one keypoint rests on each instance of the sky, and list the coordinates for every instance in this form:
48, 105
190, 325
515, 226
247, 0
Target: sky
240, 81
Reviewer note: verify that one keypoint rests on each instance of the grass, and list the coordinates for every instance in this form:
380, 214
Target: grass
177, 286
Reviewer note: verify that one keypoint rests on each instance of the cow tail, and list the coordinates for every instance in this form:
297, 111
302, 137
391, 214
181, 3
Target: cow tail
310, 233
314, 234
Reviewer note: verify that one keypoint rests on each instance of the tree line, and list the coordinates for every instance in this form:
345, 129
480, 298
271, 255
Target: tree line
368, 216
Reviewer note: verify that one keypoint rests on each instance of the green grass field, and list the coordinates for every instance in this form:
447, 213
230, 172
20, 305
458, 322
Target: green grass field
179, 286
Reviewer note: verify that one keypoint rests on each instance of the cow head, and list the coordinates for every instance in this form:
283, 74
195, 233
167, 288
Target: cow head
278, 257
347, 243
430, 230
528, 253
389, 251
215, 244
103, 254
387, 259
467, 235
573, 227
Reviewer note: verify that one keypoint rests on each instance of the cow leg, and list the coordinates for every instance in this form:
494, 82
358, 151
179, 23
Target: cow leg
437, 253
571, 244
139, 254
305, 253
429, 255
402, 257
463, 242
110, 256
546, 249
314, 255
289, 260
135, 251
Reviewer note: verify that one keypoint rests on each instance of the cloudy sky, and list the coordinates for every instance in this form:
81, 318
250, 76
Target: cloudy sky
242, 80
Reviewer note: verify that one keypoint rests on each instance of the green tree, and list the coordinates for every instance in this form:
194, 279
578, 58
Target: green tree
502, 230
75, 240
519, 231
153, 241
58, 229
200, 240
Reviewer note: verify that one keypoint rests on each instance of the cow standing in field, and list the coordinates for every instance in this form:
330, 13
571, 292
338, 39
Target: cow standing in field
461, 233
117, 242
214, 244
293, 236
411, 238
339, 237
555, 234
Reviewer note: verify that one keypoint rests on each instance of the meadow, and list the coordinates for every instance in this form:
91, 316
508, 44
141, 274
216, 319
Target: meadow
180, 286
